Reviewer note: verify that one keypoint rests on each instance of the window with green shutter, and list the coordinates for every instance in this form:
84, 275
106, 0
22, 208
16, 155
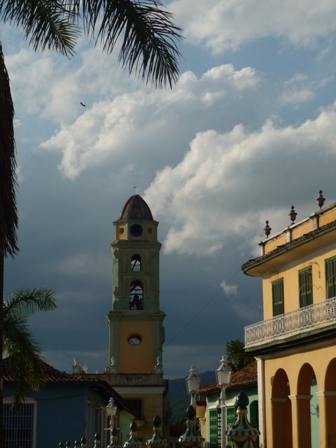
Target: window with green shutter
330, 270
215, 428
278, 297
305, 287
231, 416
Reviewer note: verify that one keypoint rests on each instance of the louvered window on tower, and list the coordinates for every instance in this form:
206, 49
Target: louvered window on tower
136, 295
136, 263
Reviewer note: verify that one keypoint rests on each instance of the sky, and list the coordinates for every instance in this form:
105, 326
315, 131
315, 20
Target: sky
248, 131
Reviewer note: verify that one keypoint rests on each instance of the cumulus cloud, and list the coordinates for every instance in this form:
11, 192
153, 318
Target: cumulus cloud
212, 194
225, 25
295, 96
219, 154
229, 289
52, 86
159, 121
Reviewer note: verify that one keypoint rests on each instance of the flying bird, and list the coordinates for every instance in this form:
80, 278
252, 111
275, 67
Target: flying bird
82, 104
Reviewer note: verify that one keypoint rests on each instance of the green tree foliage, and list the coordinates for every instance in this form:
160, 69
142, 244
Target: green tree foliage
237, 357
18, 343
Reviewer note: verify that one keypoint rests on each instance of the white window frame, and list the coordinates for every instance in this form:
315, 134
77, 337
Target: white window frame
27, 400
103, 424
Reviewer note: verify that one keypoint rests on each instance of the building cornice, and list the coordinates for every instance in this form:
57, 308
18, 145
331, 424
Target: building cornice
284, 248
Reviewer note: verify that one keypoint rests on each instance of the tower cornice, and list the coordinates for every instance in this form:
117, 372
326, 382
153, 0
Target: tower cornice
155, 315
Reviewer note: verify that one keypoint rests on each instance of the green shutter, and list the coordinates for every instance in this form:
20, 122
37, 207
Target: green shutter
230, 416
330, 269
214, 428
305, 287
278, 297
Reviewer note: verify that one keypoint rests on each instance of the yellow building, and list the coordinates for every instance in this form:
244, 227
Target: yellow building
136, 332
295, 344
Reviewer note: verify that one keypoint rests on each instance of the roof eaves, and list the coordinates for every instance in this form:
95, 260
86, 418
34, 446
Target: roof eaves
288, 246
244, 377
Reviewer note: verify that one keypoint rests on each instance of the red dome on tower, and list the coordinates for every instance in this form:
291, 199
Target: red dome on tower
135, 208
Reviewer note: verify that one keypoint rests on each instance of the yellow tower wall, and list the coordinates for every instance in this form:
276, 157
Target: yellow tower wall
139, 358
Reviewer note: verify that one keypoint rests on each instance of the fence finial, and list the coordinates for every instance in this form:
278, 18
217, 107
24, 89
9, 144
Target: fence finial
157, 441
242, 433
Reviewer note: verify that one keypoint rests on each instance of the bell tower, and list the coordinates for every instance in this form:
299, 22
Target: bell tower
136, 332
135, 321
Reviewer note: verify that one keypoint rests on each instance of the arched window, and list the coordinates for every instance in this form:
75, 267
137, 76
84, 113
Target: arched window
136, 263
136, 298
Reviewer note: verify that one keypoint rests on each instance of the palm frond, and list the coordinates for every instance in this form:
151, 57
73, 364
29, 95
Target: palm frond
29, 373
47, 24
17, 339
147, 32
25, 354
26, 301
8, 211
17, 336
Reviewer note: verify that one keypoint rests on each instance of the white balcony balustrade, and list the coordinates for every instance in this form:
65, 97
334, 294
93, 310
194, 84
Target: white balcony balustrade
308, 318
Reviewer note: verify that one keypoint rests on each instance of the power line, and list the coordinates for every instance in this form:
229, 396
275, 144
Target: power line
203, 308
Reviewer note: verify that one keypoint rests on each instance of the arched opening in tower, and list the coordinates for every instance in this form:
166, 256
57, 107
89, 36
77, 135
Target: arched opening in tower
136, 295
136, 263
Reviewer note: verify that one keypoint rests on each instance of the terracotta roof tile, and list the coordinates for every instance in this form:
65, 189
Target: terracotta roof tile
52, 375
245, 376
56, 376
209, 388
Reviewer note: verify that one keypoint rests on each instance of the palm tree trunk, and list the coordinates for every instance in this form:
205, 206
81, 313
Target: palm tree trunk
8, 212
2, 441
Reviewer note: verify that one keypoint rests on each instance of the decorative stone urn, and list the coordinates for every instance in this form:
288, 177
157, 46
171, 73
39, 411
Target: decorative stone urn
242, 434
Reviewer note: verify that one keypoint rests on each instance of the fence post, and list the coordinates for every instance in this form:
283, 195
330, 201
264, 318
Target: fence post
157, 441
96, 441
133, 441
191, 438
242, 434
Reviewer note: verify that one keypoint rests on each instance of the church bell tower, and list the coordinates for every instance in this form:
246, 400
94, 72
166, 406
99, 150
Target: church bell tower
135, 322
136, 332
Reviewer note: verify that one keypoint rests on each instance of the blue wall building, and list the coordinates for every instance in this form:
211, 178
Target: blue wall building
68, 408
